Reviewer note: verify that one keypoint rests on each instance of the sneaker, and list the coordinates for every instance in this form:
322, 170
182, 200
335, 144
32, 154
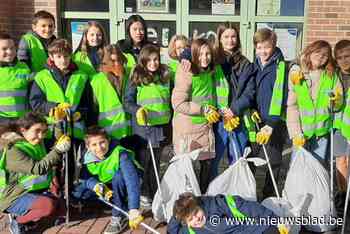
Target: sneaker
117, 225
145, 202
15, 227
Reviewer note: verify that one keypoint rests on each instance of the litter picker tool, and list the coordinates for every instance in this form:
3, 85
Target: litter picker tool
127, 215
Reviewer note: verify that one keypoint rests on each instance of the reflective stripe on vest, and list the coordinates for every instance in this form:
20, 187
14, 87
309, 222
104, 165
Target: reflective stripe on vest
156, 99
36, 152
106, 168
72, 94
230, 201
38, 55
314, 114
222, 88
84, 64
203, 93
278, 90
112, 116
13, 90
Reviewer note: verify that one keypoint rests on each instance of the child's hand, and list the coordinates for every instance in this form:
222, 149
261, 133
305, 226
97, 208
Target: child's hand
141, 116
63, 144
135, 218
297, 77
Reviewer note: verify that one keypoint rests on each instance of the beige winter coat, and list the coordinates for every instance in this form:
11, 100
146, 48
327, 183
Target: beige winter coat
293, 116
186, 135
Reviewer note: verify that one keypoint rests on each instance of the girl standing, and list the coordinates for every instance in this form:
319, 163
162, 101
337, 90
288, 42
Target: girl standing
147, 99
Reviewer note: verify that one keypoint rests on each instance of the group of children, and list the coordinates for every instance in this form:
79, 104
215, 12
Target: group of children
116, 102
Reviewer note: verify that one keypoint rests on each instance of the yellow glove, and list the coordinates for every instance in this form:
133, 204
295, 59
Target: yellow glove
283, 229
255, 117
231, 123
57, 114
103, 191
337, 98
211, 114
63, 144
298, 141
76, 117
135, 218
263, 136
64, 106
141, 116
296, 77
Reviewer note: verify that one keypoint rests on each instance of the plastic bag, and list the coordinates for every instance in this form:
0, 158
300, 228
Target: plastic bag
178, 178
237, 179
307, 177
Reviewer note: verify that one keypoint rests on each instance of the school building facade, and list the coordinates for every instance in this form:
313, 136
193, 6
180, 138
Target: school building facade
296, 22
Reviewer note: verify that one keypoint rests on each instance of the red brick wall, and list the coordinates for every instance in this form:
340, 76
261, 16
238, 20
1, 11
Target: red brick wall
16, 15
328, 20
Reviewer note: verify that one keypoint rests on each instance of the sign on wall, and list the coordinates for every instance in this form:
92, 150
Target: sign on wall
154, 6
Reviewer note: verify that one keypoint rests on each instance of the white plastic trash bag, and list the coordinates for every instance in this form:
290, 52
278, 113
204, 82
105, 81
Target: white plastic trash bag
307, 177
237, 179
178, 178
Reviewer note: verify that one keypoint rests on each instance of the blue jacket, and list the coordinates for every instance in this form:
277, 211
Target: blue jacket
217, 207
265, 81
240, 74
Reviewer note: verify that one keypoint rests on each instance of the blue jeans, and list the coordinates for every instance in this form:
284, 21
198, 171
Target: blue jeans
236, 141
21, 205
125, 186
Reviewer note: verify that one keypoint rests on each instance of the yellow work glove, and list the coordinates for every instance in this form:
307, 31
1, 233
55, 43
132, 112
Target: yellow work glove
263, 136
211, 114
103, 191
135, 218
296, 77
57, 114
63, 144
283, 229
337, 98
64, 106
255, 117
141, 116
76, 117
231, 123
298, 141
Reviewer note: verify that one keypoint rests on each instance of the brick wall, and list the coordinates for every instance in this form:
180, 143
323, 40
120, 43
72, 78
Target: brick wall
16, 15
328, 20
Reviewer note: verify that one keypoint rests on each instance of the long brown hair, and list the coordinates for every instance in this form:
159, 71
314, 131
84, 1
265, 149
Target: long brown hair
140, 74
172, 45
195, 51
83, 46
218, 49
305, 60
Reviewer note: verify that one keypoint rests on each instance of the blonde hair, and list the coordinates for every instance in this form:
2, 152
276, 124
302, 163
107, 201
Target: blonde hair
172, 45
265, 34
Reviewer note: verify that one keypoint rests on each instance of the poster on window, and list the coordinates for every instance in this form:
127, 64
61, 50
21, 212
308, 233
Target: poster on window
77, 29
223, 7
157, 6
269, 7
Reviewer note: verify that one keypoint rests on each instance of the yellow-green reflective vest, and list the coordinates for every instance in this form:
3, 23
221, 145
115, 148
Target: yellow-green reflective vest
342, 118
72, 95
222, 88
234, 210
314, 114
13, 90
106, 168
203, 93
131, 61
249, 125
155, 97
278, 90
84, 64
38, 55
112, 116
29, 182
173, 63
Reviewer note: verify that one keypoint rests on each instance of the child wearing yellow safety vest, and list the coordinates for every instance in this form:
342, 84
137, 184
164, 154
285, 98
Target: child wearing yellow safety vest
29, 188
271, 97
213, 214
105, 164
342, 123
14, 82
194, 100
147, 99
32, 48
231, 132
176, 46
109, 87
89, 53
311, 86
